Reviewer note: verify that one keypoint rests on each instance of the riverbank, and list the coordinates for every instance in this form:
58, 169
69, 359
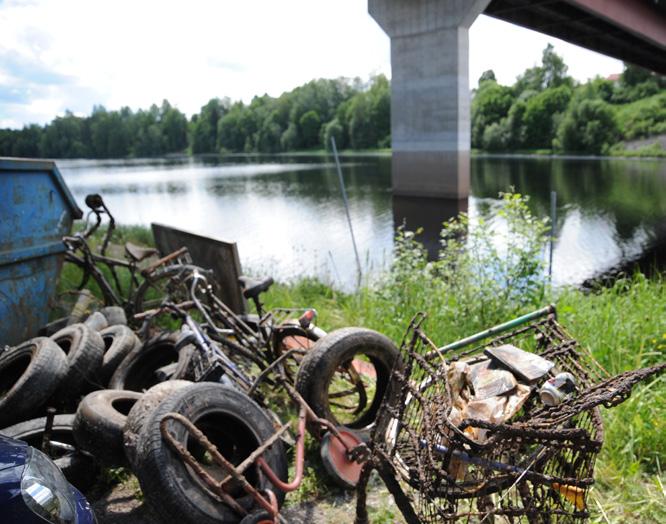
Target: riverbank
649, 149
623, 324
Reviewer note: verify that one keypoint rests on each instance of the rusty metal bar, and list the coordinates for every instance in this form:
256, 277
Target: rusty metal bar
272, 366
182, 451
252, 457
300, 459
150, 269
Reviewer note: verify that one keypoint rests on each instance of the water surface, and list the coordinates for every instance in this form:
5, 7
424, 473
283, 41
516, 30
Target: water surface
287, 215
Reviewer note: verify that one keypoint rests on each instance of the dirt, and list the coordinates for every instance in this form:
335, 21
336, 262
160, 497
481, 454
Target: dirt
122, 504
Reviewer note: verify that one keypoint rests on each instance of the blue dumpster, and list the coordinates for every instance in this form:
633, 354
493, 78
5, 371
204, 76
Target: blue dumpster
36, 210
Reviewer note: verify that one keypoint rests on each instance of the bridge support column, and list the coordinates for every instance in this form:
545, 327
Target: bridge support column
430, 105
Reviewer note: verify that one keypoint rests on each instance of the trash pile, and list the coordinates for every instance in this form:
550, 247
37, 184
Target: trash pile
163, 378
208, 406
502, 424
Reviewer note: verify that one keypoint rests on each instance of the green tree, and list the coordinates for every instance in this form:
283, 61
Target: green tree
25, 144
587, 127
541, 116
490, 104
203, 135
333, 130
290, 139
554, 69
496, 136
231, 135
309, 124
174, 128
634, 75
551, 73
487, 75
63, 138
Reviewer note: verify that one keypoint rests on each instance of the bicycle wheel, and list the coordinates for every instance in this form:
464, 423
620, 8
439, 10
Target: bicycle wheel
291, 336
168, 282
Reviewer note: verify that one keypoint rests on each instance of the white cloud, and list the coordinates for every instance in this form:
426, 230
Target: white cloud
85, 52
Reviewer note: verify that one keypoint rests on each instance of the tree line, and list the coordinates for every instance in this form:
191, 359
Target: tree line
544, 109
357, 114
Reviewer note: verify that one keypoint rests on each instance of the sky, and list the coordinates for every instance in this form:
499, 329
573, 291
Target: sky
73, 54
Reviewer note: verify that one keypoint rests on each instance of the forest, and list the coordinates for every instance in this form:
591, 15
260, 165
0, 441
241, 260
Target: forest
545, 109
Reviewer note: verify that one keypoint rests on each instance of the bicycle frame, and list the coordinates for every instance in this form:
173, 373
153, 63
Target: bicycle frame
80, 253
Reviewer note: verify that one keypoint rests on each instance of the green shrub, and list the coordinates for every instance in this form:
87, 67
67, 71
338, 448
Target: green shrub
643, 118
588, 126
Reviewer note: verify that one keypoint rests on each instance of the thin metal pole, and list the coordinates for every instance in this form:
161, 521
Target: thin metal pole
553, 230
344, 198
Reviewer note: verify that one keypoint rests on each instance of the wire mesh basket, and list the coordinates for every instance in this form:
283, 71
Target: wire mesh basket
522, 461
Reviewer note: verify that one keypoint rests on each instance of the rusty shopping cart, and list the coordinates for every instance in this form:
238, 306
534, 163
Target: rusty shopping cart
457, 442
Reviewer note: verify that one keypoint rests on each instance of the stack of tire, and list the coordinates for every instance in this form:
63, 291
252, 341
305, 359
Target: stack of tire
110, 394
52, 373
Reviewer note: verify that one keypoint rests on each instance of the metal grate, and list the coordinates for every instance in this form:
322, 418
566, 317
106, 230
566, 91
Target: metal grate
535, 467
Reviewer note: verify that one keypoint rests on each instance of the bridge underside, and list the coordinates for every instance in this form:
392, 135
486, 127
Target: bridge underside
430, 100
582, 27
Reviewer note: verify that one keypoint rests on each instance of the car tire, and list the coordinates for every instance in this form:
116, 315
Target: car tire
99, 423
96, 321
141, 411
119, 341
115, 315
84, 348
29, 375
79, 468
229, 419
137, 370
336, 350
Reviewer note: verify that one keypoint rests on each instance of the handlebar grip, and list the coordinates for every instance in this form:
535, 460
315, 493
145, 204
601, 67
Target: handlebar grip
94, 201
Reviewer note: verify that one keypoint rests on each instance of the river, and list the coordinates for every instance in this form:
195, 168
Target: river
287, 215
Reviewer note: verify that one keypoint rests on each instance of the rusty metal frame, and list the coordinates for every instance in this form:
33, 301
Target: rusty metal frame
358, 454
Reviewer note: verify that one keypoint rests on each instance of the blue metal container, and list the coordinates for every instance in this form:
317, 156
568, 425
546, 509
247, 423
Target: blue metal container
36, 210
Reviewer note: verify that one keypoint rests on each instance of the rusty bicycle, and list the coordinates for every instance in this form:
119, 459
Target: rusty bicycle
131, 283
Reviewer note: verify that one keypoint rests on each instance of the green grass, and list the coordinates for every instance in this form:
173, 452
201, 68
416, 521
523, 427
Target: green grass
642, 118
654, 150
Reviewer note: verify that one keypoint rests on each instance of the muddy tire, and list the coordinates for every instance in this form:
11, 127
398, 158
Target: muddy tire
141, 411
138, 370
96, 321
234, 423
29, 375
99, 423
336, 357
119, 341
115, 315
84, 348
79, 469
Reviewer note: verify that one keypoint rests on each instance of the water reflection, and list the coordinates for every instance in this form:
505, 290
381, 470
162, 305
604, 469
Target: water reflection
287, 215
609, 210
428, 214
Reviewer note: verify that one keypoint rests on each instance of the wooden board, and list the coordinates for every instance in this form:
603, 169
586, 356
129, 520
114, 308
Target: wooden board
209, 253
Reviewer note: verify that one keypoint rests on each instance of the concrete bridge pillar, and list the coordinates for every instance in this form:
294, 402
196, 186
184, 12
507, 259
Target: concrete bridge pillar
430, 104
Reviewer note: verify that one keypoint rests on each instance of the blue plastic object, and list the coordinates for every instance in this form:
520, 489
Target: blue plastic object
36, 210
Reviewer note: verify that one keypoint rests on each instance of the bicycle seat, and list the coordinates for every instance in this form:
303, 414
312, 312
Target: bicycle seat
138, 253
252, 288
